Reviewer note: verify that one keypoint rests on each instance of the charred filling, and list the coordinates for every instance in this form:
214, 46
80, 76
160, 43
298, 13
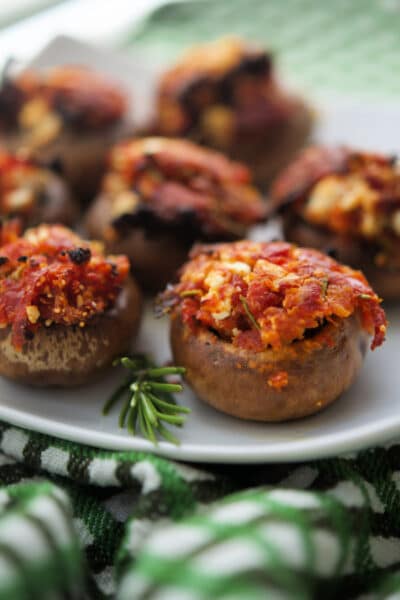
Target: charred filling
309, 334
183, 201
77, 104
243, 100
202, 92
185, 228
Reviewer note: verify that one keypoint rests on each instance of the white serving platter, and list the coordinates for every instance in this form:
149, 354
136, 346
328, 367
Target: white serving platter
368, 414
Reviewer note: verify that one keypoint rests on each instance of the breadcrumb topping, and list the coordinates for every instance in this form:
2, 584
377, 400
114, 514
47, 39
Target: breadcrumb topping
345, 191
260, 295
178, 182
41, 103
51, 276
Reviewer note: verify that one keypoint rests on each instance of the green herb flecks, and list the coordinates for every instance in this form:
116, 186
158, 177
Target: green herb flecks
147, 401
324, 286
249, 313
188, 293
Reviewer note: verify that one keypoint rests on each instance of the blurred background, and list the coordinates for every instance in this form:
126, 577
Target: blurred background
346, 47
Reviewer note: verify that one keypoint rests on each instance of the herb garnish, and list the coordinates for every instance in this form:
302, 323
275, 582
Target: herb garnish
187, 293
324, 286
248, 312
148, 400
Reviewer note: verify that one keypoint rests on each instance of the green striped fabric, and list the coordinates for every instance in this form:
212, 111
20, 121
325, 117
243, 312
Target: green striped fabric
152, 528
38, 542
342, 46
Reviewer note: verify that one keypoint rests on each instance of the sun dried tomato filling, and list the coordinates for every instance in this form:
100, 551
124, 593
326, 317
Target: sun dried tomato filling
348, 192
50, 276
10, 231
259, 295
20, 184
181, 184
40, 104
220, 90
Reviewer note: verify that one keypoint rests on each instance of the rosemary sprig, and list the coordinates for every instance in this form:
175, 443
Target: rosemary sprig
147, 398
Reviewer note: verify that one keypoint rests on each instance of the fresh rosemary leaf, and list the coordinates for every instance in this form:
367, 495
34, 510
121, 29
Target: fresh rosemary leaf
128, 363
124, 412
147, 399
168, 407
162, 371
171, 418
167, 434
132, 418
324, 286
164, 387
148, 410
188, 293
249, 313
113, 399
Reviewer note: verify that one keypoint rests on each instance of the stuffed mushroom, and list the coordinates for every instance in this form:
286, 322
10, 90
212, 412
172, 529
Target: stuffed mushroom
160, 195
225, 95
66, 117
348, 202
33, 194
270, 331
66, 310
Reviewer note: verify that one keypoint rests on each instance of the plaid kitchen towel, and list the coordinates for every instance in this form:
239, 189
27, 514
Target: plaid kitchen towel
79, 522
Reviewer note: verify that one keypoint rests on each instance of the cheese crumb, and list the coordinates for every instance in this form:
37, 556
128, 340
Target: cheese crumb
32, 313
221, 315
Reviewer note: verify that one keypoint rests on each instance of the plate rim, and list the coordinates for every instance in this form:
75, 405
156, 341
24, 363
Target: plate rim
296, 451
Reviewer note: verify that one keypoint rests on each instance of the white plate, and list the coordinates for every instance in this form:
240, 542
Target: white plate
367, 414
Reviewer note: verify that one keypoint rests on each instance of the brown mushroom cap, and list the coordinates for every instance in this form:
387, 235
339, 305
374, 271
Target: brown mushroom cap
70, 355
154, 260
236, 381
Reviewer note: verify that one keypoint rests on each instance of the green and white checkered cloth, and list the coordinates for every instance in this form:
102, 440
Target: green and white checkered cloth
78, 522
137, 526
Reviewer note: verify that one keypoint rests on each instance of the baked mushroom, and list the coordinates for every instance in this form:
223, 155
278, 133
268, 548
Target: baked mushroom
346, 201
160, 195
33, 194
66, 116
270, 331
66, 310
225, 95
